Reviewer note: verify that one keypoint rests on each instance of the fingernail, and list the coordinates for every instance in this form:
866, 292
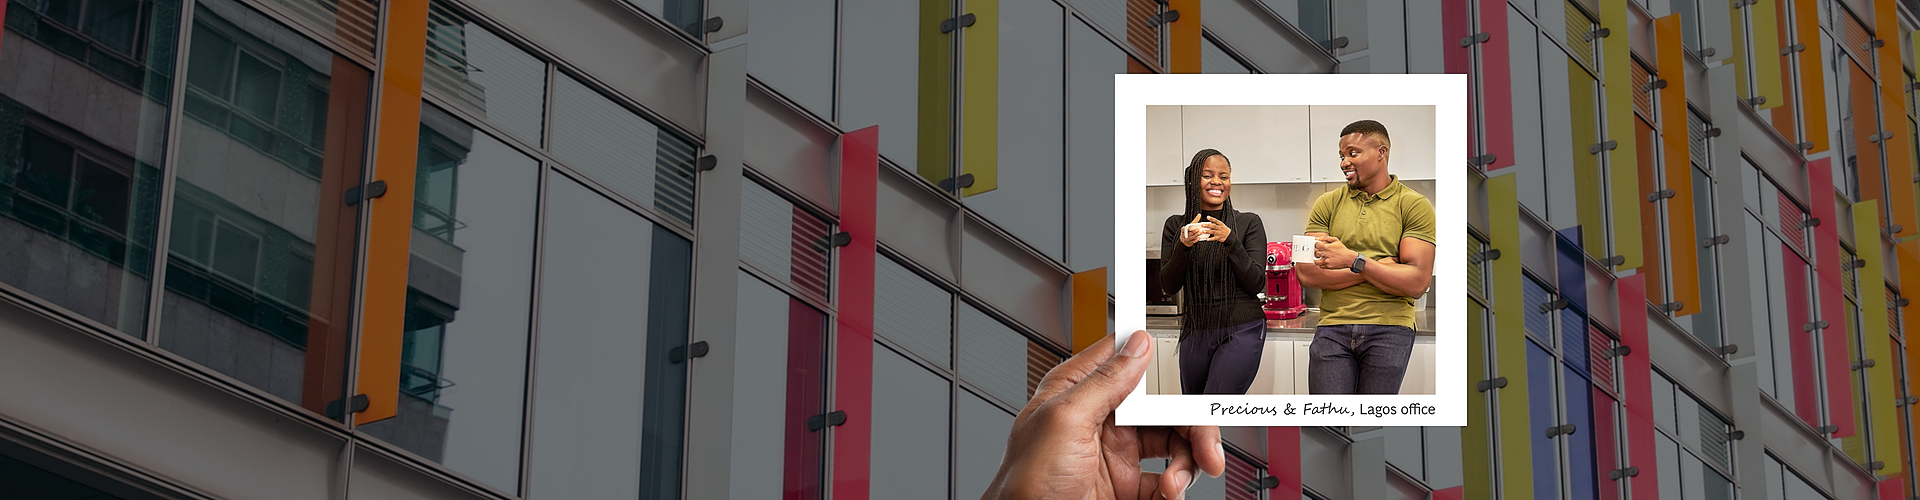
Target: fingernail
1137, 344
1185, 476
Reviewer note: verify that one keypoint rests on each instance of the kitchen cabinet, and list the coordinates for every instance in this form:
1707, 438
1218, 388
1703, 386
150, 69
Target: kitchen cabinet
1411, 129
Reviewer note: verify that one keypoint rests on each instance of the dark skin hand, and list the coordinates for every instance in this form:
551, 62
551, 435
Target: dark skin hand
1407, 275
1065, 444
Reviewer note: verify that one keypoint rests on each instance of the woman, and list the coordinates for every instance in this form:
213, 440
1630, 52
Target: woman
1217, 254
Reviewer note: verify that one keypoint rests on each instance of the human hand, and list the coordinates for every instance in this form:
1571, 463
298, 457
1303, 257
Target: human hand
1064, 444
1219, 229
1192, 233
1331, 254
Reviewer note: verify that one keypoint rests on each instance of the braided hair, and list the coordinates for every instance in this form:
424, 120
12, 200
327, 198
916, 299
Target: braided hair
1210, 279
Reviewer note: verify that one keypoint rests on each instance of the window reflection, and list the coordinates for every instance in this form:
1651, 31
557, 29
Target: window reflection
484, 74
260, 252
469, 296
82, 128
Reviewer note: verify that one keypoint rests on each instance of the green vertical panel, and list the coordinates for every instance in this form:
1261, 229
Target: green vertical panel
1876, 338
1510, 344
1624, 176
1476, 442
1766, 53
1586, 165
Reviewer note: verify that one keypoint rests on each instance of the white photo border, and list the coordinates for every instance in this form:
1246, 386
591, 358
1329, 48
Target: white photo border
1446, 93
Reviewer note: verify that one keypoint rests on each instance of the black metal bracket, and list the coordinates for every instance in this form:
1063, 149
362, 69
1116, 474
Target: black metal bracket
1164, 18
1827, 429
1817, 325
963, 21
714, 24
1469, 40
373, 190
1913, 85
1737, 435
1660, 195
1483, 160
1619, 351
1713, 132
1493, 254
1337, 43
708, 162
1877, 136
1707, 52
1553, 305
1893, 229
1907, 401
1756, 101
1599, 33
962, 182
1671, 306
1899, 302
1495, 383
1853, 264
1798, 47
1618, 474
356, 404
1614, 260
1561, 430
1876, 465
835, 240
817, 422
1810, 222
1804, 145
1655, 85
684, 353
1604, 146
1874, 44
1858, 365
1729, 349
1715, 240
1265, 483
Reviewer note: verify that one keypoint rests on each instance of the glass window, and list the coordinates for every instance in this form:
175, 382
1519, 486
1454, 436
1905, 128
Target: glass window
903, 74
805, 457
683, 14
1539, 320
1092, 62
910, 440
992, 356
1543, 413
783, 241
1313, 17
584, 437
470, 295
912, 313
1028, 163
1214, 59
1579, 445
79, 145
260, 268
980, 441
622, 151
1705, 325
350, 22
795, 54
484, 74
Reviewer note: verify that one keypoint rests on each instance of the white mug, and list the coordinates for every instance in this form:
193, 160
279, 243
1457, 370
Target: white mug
1303, 249
1188, 230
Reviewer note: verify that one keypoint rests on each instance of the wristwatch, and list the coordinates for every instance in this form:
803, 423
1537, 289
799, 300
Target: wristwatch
1359, 264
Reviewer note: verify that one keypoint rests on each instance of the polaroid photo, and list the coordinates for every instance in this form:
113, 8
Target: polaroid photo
1295, 244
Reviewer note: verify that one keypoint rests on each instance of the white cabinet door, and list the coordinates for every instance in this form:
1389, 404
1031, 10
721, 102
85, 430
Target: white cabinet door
1166, 359
1264, 143
1420, 376
1300, 366
1275, 375
1165, 159
1411, 129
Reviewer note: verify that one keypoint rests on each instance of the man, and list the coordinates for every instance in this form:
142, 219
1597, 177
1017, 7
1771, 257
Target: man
1375, 254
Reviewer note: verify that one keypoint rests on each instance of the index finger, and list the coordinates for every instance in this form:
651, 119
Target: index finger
1327, 239
1216, 221
1071, 372
1196, 219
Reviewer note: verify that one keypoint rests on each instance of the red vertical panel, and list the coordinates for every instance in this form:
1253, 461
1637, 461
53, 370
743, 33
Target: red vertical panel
1606, 447
1891, 488
806, 387
3, 19
1638, 372
1454, 493
1496, 82
853, 338
1826, 242
1283, 461
1454, 26
1806, 386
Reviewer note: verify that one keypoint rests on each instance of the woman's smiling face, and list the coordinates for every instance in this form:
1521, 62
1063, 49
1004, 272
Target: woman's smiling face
1215, 182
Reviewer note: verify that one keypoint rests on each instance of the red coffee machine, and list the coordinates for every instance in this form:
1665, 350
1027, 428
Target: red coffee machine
1282, 298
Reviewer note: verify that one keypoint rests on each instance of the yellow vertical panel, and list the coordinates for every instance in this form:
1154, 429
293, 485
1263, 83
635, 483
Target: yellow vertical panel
1623, 180
1586, 166
1813, 85
1737, 19
382, 325
1766, 53
1183, 37
1678, 164
1893, 109
980, 97
1875, 338
935, 142
1510, 345
1872, 178
1089, 308
1476, 443
1855, 446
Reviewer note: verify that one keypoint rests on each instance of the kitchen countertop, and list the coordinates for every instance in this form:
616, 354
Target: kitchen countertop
1300, 328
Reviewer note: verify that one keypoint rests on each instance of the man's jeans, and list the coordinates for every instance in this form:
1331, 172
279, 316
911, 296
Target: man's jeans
1358, 359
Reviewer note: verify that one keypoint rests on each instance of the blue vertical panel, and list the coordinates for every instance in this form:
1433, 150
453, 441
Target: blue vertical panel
1580, 468
1539, 323
1571, 268
1541, 408
1573, 335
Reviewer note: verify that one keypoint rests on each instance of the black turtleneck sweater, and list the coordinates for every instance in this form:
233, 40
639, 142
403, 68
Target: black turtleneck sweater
1248, 256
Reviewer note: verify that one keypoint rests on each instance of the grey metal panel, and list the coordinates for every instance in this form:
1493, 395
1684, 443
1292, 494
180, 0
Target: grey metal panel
1387, 39
1529, 139
1025, 287
1697, 87
1323, 462
733, 19
103, 398
1444, 464
1686, 362
716, 269
918, 222
1090, 70
1423, 38
1748, 416
1245, 25
794, 54
1249, 439
1640, 31
1738, 288
1793, 443
375, 476
791, 149
1603, 304
1367, 464
1716, 32
1537, 248
1772, 154
616, 47
1556, 112
759, 409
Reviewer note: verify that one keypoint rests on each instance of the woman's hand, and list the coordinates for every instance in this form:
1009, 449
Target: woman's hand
1219, 229
1190, 233
1065, 443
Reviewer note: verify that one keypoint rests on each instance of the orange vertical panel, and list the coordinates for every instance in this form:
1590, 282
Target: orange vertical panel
1867, 151
1089, 307
329, 318
396, 147
1183, 37
1893, 105
1649, 217
1678, 158
1813, 85
1782, 115
1907, 256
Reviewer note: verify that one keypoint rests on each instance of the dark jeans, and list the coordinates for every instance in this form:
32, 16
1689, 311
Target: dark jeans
1222, 360
1358, 359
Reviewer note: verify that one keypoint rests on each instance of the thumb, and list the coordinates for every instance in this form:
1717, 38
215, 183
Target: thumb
1196, 219
1109, 384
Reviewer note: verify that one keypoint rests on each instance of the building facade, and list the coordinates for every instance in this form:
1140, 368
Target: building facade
339, 249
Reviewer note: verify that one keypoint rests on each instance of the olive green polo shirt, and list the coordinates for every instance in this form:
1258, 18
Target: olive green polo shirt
1371, 225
